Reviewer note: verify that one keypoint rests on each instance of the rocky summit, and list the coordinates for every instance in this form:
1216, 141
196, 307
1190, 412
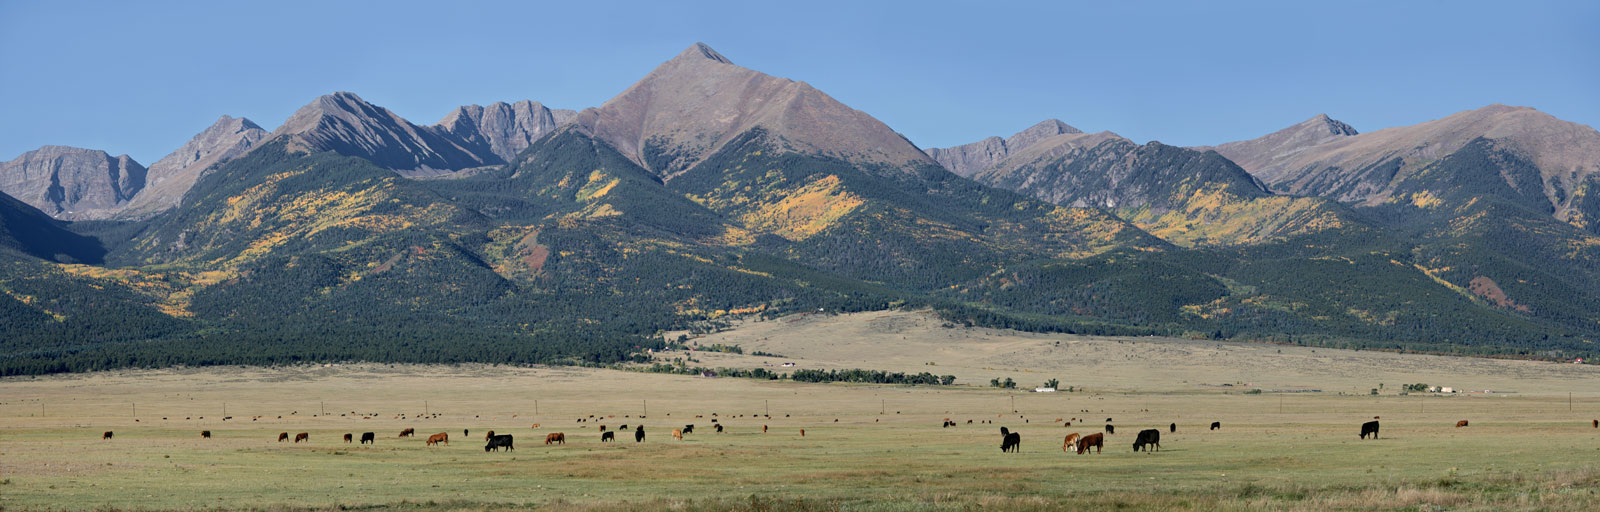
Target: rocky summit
73, 183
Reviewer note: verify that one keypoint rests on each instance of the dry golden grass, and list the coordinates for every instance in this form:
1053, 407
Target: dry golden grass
1276, 451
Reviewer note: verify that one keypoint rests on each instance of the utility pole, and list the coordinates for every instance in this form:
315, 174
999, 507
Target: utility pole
767, 406
1569, 401
324, 407
883, 406
646, 408
1013, 403
135, 409
424, 407
535, 407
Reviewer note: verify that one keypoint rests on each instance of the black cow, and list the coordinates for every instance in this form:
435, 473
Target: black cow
638, 434
1370, 427
496, 442
608, 436
1173, 427
1012, 441
369, 437
1216, 425
1111, 429
1148, 437
719, 428
688, 429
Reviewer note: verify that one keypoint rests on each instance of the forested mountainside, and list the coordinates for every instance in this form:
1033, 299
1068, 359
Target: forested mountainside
537, 240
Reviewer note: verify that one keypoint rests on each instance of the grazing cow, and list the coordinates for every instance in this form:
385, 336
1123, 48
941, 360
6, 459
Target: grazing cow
602, 428
438, 438
1173, 428
1111, 429
677, 434
348, 437
536, 425
638, 434
1370, 427
623, 427
763, 429
303, 436
369, 437
1070, 443
802, 432
1461, 423
467, 432
205, 434
1148, 437
1010, 441
719, 428
1096, 441
948, 423
555, 438
1596, 423
608, 436
105, 436
1216, 425
410, 432
498, 442
487, 437
688, 429
283, 436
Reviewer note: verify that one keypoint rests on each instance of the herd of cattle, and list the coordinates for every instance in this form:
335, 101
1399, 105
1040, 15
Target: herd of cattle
1147, 440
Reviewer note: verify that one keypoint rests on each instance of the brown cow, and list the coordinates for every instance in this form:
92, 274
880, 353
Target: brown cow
555, 438
1461, 423
535, 425
205, 434
438, 438
410, 432
763, 429
1095, 440
677, 434
348, 437
488, 436
802, 432
283, 436
1070, 444
105, 436
303, 436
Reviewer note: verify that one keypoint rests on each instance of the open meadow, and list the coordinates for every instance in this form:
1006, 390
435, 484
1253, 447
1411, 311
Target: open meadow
1530, 445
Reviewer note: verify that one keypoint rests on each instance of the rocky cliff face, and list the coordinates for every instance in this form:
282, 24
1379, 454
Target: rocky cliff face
969, 159
344, 123
502, 129
691, 106
72, 183
173, 175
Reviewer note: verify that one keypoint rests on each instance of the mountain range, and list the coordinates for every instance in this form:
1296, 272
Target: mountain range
517, 233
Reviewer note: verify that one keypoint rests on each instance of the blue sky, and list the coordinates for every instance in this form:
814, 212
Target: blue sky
142, 77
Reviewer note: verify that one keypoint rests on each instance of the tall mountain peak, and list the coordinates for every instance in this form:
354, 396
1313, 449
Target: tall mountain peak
973, 158
701, 51
173, 175
344, 123
503, 129
689, 107
1268, 150
72, 183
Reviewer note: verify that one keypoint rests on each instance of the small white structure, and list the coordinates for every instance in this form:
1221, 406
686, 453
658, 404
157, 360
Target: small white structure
1044, 390
788, 365
1447, 390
